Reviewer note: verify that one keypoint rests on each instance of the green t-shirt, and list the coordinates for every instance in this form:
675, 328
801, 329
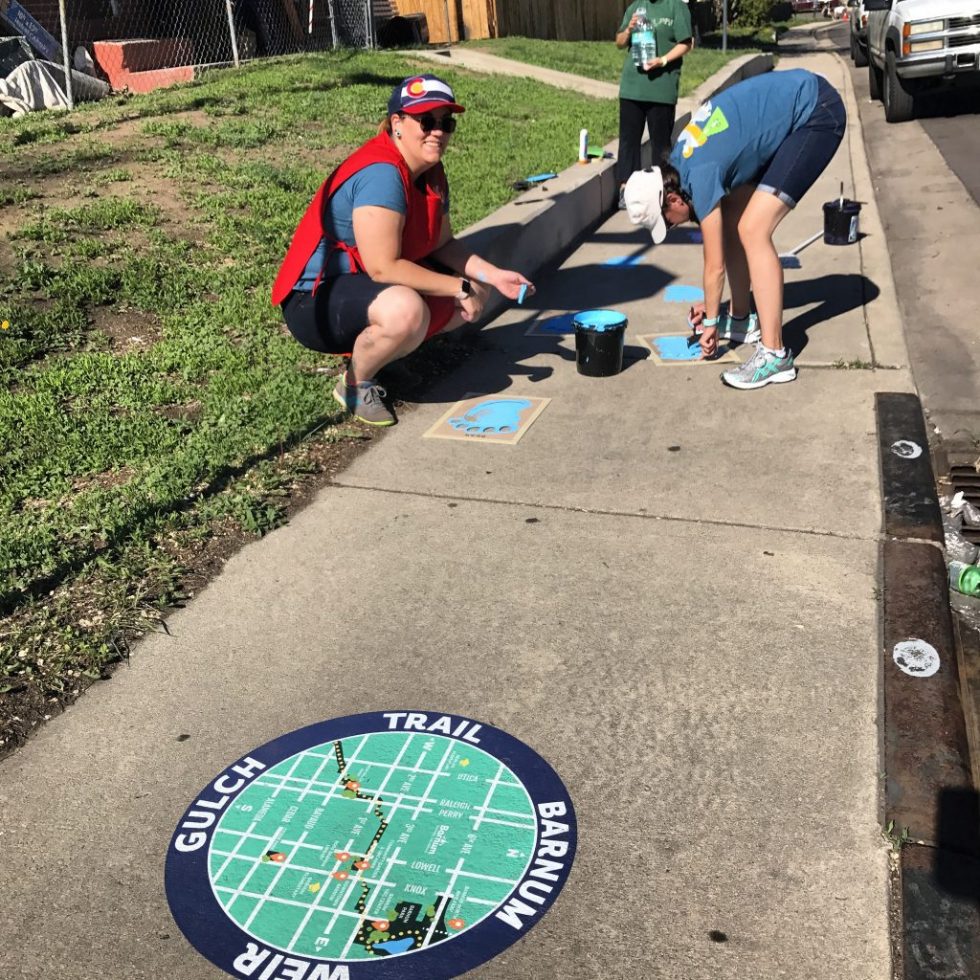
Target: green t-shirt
671, 21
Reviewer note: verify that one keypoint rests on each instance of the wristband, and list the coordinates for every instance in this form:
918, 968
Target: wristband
710, 321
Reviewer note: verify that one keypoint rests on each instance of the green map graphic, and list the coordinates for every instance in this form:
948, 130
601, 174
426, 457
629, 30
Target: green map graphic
374, 845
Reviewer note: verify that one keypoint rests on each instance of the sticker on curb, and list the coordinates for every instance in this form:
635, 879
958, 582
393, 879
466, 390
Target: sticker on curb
372, 847
906, 449
670, 349
488, 418
916, 658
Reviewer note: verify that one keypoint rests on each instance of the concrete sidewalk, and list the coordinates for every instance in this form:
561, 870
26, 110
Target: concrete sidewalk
667, 588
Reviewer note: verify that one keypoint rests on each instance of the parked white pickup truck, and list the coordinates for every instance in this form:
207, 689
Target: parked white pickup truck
916, 46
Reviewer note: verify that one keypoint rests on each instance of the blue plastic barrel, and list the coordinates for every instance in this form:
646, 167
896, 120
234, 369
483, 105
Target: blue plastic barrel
599, 339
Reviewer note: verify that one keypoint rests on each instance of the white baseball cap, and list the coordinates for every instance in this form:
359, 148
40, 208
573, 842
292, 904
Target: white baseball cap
644, 199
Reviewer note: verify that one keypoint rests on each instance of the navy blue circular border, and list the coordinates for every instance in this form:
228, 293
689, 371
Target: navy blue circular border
209, 929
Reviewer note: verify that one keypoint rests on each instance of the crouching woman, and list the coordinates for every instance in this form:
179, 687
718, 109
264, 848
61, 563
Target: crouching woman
364, 273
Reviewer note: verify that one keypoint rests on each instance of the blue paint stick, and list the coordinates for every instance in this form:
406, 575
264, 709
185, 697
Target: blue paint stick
522, 293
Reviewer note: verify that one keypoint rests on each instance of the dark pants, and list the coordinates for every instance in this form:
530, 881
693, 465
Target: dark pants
633, 115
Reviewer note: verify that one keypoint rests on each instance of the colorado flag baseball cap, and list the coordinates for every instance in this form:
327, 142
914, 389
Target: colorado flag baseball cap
644, 199
421, 93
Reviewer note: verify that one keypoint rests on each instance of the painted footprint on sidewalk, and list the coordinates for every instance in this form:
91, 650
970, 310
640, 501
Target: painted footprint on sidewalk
492, 417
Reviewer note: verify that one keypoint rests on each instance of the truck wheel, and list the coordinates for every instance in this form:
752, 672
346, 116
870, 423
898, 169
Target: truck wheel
899, 103
858, 53
874, 80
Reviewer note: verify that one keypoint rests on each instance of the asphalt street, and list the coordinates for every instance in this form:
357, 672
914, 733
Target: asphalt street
950, 119
926, 178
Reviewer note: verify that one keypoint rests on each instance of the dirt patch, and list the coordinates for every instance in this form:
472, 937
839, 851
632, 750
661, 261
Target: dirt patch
181, 413
127, 331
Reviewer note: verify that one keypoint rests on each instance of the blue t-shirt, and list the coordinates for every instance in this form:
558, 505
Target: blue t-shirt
378, 185
733, 136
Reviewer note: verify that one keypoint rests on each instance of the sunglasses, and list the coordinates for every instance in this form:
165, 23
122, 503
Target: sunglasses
429, 122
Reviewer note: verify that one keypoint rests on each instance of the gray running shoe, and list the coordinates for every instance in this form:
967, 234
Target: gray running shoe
761, 369
363, 401
743, 330
622, 198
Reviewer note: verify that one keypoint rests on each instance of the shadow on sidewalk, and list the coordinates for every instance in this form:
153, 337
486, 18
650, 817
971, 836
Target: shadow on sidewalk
835, 295
489, 361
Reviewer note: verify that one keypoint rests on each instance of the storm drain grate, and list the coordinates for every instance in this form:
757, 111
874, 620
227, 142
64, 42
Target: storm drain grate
965, 478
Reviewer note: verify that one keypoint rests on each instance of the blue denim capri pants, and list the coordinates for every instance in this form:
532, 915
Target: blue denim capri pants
804, 154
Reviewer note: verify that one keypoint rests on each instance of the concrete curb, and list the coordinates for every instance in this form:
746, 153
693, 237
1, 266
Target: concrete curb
535, 228
888, 347
929, 804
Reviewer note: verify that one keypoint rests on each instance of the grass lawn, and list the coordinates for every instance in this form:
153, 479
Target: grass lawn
603, 61
152, 410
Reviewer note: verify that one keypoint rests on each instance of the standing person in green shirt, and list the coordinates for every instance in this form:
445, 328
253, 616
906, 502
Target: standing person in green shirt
648, 92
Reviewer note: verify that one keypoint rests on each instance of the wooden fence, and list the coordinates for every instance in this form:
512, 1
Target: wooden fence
561, 20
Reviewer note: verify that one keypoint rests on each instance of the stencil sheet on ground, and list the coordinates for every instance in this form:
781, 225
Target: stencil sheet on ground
489, 418
677, 349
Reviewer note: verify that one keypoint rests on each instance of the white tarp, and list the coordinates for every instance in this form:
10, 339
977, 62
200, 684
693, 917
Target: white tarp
41, 85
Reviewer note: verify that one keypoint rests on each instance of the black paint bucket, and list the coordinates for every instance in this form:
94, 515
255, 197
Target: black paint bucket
599, 338
840, 222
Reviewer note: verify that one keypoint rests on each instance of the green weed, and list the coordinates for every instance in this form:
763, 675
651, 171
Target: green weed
17, 195
896, 839
855, 364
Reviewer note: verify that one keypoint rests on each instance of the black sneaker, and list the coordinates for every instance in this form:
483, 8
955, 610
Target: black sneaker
364, 402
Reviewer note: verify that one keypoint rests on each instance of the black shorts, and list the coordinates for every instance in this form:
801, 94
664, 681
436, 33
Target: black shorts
330, 319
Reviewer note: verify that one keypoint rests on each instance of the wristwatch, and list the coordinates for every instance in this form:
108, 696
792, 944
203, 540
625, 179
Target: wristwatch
465, 290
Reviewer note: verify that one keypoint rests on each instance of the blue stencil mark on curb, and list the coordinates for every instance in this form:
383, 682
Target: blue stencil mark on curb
691, 235
676, 349
624, 260
492, 417
683, 294
565, 323
789, 261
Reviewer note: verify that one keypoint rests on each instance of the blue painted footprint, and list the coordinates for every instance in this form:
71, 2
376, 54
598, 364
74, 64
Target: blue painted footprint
492, 417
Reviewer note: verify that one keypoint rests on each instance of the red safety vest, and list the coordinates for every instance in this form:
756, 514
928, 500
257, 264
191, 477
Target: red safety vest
423, 220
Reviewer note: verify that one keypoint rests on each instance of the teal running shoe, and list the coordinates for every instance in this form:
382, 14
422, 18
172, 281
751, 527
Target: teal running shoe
761, 369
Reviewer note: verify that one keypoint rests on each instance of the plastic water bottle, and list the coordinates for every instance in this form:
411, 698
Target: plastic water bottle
964, 578
644, 42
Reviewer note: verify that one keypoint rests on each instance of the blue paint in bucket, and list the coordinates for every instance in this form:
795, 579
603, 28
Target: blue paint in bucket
599, 339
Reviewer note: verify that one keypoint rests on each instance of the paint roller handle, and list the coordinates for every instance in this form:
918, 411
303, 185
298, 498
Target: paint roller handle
695, 317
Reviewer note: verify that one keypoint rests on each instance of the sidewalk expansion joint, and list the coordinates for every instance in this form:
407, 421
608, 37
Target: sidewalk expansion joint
603, 512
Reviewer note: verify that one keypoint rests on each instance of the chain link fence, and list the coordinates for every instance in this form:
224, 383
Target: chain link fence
141, 45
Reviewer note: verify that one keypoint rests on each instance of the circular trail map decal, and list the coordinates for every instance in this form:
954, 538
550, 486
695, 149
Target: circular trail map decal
391, 845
